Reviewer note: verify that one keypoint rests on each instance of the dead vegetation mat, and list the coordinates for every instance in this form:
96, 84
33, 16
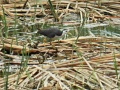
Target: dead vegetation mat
91, 63
93, 11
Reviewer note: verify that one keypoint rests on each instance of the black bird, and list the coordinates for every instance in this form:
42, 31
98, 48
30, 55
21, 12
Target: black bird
52, 32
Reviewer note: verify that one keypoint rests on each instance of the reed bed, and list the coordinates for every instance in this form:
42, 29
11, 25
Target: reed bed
91, 63
88, 62
88, 11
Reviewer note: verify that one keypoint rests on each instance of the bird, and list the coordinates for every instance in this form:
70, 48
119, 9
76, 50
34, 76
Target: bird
52, 32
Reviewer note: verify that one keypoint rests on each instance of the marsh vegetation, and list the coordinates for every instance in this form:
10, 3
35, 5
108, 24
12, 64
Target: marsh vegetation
88, 57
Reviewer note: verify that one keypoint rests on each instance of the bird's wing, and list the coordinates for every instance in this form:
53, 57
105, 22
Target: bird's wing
59, 33
51, 35
44, 32
51, 32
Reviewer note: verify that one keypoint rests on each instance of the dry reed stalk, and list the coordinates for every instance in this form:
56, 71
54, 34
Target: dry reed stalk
87, 66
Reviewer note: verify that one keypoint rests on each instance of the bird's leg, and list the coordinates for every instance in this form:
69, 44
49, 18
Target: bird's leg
50, 41
58, 41
44, 41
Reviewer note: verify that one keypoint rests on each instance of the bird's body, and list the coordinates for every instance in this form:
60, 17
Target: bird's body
52, 32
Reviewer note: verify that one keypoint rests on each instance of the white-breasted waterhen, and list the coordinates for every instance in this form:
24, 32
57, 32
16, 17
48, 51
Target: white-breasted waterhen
52, 32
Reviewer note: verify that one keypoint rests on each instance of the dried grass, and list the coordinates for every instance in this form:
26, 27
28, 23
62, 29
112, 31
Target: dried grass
90, 63
91, 70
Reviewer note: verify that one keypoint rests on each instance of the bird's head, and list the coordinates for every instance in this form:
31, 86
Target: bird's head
65, 31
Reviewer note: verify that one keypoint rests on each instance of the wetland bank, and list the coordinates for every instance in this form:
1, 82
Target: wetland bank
88, 57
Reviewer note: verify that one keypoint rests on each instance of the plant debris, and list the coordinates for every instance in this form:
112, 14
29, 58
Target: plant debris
82, 62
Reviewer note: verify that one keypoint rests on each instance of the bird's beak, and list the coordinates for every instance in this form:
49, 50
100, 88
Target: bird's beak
69, 32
